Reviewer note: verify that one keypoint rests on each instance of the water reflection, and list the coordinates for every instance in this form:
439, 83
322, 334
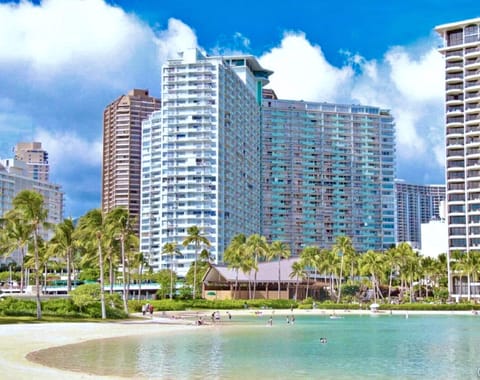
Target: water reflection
358, 347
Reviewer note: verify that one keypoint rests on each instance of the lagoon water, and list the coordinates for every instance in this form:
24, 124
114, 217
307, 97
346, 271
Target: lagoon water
358, 347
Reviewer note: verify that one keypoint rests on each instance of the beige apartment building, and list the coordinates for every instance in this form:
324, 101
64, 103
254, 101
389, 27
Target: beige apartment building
36, 159
122, 131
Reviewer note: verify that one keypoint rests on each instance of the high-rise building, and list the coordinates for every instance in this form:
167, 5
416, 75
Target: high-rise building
122, 135
461, 51
201, 155
35, 158
15, 176
328, 170
416, 205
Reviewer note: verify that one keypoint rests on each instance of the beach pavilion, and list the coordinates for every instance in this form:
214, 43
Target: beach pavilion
220, 282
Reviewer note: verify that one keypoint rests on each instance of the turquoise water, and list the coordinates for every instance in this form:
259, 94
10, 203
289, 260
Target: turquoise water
359, 347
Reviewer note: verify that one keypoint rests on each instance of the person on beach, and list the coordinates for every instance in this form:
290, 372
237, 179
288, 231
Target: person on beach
270, 321
144, 309
229, 315
151, 311
288, 319
293, 319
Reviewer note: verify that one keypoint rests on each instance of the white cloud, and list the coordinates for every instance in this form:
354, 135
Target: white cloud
67, 150
407, 80
418, 78
177, 37
302, 72
61, 63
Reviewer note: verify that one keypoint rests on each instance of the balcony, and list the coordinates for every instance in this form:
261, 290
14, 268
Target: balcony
454, 77
454, 55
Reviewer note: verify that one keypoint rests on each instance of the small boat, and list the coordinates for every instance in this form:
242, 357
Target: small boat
336, 317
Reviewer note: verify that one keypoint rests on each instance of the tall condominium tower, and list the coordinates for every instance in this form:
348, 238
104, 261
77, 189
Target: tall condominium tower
328, 170
122, 132
201, 155
35, 158
461, 50
414, 205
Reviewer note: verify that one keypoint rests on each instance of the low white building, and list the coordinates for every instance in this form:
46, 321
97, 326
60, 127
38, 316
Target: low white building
434, 235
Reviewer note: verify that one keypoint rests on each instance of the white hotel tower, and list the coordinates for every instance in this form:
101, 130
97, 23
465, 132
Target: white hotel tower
462, 107
201, 156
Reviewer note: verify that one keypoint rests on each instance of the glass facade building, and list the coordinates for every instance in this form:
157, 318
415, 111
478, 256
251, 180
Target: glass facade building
416, 205
328, 171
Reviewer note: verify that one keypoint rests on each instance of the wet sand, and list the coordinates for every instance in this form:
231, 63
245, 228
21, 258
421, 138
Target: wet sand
20, 341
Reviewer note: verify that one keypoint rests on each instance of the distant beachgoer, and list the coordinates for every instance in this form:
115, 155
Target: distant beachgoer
144, 309
293, 319
213, 317
288, 319
270, 321
151, 311
229, 315
323, 340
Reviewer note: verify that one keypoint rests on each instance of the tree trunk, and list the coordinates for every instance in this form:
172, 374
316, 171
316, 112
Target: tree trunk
390, 286
124, 282
468, 286
340, 281
22, 269
195, 272
37, 275
279, 274
296, 290
111, 275
69, 273
236, 285
140, 270
102, 281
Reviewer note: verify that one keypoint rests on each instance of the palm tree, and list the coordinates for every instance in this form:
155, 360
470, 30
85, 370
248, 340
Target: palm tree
15, 235
92, 230
404, 254
282, 251
234, 256
298, 272
372, 264
196, 238
119, 228
468, 264
391, 261
342, 247
63, 244
310, 257
139, 261
257, 247
170, 249
30, 206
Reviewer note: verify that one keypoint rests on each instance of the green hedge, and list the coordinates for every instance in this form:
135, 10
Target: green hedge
64, 308
432, 307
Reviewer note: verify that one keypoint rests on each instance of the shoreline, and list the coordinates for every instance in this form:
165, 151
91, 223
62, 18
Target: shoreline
20, 340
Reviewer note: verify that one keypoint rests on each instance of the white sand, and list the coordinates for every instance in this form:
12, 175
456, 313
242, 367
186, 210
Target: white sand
20, 339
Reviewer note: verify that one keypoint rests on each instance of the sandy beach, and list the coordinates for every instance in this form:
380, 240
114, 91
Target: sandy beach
21, 339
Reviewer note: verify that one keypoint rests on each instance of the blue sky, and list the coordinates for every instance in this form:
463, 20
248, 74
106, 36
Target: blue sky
63, 61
